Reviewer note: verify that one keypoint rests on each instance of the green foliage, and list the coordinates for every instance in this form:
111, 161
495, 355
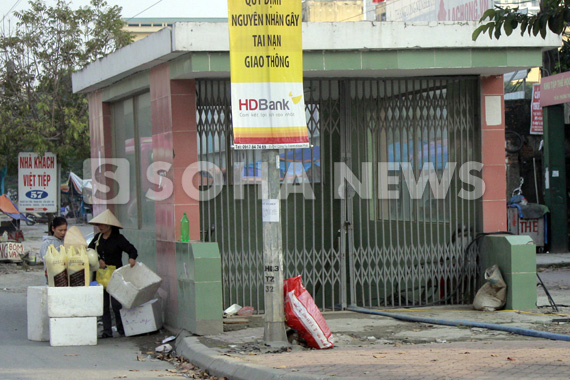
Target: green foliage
553, 16
562, 61
38, 110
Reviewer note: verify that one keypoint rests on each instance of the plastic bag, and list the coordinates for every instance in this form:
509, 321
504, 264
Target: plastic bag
493, 294
93, 258
56, 266
78, 266
246, 311
104, 275
303, 315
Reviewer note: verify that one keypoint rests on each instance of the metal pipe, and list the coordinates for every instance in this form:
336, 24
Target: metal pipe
491, 326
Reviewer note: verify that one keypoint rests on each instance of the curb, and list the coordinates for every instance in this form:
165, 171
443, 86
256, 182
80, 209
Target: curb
559, 264
234, 369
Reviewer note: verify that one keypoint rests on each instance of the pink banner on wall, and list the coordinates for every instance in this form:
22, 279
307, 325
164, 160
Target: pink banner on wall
536, 126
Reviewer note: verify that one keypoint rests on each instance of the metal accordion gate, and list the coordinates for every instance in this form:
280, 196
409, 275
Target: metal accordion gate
377, 213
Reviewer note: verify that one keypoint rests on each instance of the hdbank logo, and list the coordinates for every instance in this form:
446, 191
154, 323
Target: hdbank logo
263, 105
295, 99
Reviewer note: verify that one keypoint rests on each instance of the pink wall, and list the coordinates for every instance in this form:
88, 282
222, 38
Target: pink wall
493, 154
100, 132
175, 142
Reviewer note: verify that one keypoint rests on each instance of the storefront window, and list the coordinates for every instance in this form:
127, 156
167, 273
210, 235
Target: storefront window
132, 128
409, 139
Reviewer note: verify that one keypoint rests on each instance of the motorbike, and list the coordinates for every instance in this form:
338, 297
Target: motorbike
34, 217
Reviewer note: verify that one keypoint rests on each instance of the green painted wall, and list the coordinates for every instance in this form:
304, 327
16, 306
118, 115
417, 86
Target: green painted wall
318, 62
145, 243
555, 195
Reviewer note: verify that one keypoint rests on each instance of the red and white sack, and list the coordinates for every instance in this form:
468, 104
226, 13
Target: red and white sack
303, 315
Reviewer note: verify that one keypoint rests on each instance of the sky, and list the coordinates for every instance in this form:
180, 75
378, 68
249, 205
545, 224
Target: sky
137, 8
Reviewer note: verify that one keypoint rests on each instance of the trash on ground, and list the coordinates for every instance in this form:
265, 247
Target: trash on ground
232, 309
303, 315
493, 294
164, 348
246, 311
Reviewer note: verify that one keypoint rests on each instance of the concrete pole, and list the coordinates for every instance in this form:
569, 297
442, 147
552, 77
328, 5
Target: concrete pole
274, 328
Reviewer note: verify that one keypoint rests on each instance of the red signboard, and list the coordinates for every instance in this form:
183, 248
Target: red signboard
536, 126
555, 89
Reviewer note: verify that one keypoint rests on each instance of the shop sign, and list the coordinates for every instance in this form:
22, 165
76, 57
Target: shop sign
555, 89
536, 125
11, 251
37, 182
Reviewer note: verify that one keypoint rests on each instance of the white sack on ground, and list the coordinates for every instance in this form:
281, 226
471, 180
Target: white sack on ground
493, 294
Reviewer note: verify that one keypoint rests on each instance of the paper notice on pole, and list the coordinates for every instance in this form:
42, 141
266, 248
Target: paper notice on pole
270, 210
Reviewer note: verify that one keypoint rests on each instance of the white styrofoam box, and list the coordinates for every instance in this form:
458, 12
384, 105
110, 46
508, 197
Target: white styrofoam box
163, 298
133, 286
76, 301
38, 320
80, 331
142, 319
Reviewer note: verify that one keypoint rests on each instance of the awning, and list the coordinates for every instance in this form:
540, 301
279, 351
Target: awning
8, 208
74, 185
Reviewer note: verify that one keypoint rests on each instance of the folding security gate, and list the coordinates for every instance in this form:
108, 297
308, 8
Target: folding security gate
357, 224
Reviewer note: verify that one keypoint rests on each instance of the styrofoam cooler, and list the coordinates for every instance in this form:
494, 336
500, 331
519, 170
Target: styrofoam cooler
142, 319
133, 286
64, 316
38, 319
80, 331
76, 301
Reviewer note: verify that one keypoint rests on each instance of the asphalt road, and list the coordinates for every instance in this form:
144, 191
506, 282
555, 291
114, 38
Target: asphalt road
116, 358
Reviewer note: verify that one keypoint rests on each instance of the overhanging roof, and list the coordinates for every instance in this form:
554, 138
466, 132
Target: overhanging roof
330, 49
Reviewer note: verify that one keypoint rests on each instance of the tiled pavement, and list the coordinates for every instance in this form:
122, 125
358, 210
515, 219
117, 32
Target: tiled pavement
473, 354
525, 359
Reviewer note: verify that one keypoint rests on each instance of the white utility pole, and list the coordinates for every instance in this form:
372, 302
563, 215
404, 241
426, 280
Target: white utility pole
274, 328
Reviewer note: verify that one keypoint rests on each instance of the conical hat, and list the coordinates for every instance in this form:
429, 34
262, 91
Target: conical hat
106, 217
74, 238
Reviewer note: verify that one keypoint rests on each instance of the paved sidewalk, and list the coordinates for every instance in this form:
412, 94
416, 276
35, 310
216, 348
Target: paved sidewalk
381, 347
548, 259
423, 351
462, 360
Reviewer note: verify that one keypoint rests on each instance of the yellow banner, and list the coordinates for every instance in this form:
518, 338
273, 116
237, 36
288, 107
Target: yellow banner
265, 40
266, 61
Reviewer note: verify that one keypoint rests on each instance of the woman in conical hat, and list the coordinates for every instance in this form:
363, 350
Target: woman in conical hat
110, 245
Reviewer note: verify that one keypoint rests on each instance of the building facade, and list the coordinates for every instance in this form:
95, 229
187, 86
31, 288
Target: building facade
359, 225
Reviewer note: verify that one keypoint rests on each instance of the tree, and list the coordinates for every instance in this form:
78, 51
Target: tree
553, 15
38, 110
